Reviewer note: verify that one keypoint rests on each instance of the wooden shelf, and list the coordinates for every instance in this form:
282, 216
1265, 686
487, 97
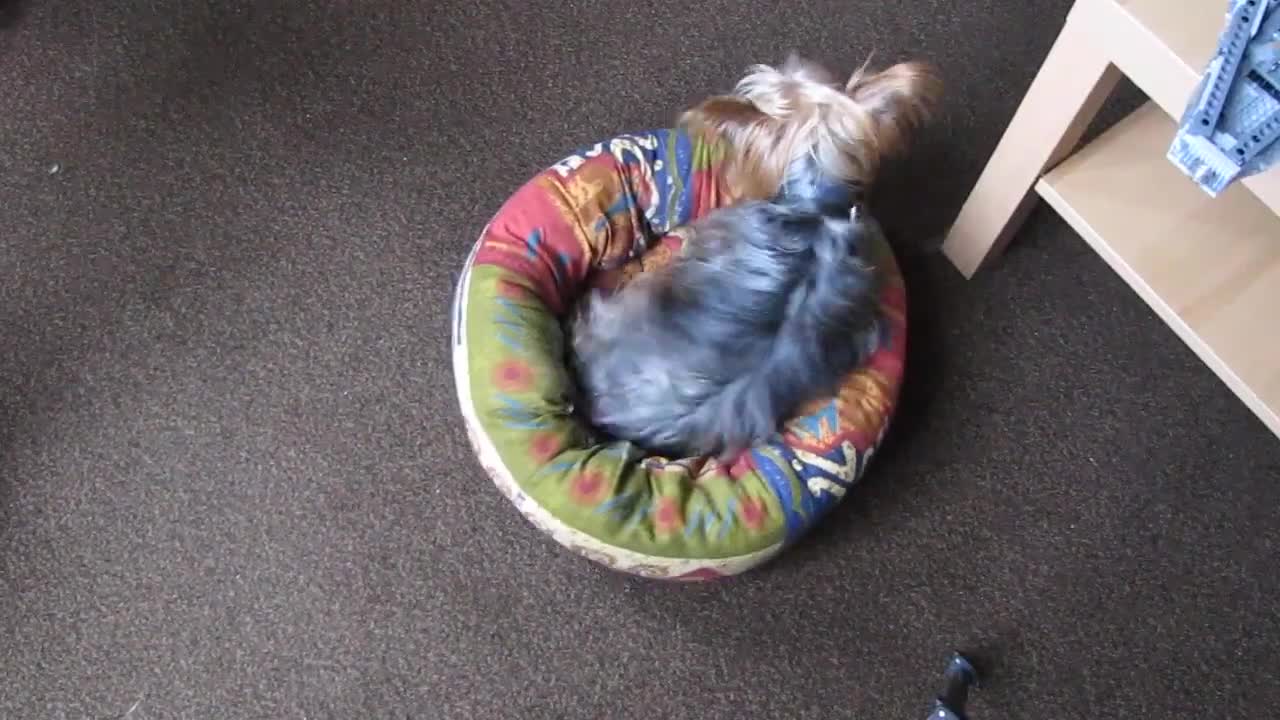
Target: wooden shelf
1163, 46
1188, 28
1209, 267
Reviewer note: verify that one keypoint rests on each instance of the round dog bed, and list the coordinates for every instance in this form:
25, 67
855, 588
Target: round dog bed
593, 220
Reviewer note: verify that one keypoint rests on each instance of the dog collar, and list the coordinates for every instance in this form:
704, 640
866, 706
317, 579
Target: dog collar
807, 185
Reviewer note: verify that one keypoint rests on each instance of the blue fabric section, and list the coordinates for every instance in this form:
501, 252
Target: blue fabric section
533, 241
826, 489
673, 175
823, 483
668, 155
780, 483
813, 426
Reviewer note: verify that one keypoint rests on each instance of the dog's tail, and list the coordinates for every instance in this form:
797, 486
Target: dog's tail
829, 326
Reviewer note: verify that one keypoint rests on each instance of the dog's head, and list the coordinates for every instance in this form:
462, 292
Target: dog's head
776, 116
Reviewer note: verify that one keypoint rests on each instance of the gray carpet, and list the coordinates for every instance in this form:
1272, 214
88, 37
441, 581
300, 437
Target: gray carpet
232, 479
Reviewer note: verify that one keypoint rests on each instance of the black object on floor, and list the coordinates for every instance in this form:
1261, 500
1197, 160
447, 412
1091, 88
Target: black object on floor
960, 677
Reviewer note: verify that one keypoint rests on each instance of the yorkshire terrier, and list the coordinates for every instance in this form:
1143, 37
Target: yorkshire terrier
773, 300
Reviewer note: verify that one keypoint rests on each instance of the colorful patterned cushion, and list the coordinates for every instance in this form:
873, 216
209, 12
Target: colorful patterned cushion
595, 219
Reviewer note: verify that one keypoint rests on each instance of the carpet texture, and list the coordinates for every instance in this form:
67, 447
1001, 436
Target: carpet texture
233, 482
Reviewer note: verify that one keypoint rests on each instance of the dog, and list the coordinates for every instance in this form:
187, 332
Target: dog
773, 299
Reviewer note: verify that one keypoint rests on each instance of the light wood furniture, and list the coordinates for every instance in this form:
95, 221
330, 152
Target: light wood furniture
1209, 267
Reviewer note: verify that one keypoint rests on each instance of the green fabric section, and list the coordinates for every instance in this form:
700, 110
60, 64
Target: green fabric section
708, 155
677, 180
521, 393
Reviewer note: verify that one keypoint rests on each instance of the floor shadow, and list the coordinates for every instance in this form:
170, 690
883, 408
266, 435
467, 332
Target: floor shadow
926, 357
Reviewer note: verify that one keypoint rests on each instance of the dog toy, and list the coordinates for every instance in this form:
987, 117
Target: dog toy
1232, 123
959, 678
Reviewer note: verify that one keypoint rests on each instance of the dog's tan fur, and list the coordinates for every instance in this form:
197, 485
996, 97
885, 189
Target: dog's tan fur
776, 115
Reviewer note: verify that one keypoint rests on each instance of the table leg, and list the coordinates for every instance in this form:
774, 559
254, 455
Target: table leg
1070, 87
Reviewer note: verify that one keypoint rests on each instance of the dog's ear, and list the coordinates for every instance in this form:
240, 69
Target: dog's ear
726, 115
899, 99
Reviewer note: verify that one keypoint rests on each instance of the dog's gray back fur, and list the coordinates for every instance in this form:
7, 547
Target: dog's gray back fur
769, 307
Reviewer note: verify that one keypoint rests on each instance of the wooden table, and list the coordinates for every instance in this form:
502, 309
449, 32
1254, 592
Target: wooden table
1209, 267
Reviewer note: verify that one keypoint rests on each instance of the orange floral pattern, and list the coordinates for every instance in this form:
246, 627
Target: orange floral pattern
513, 376
589, 488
